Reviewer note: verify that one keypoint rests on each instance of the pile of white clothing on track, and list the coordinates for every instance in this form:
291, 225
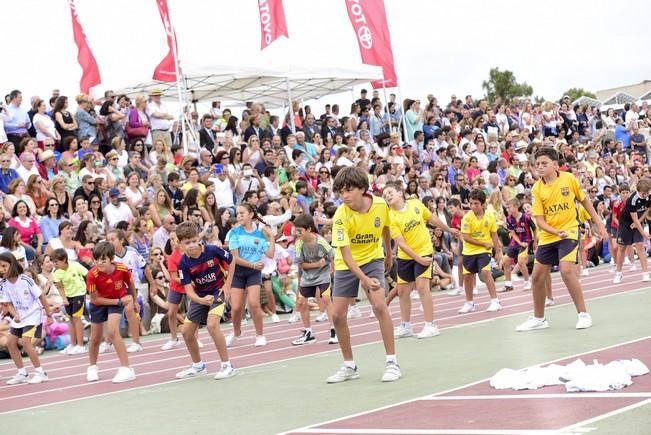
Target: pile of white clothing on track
576, 376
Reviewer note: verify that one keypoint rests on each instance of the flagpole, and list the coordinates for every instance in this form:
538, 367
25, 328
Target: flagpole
291, 106
179, 90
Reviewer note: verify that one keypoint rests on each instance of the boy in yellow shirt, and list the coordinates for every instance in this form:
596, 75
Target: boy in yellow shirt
554, 209
479, 235
70, 279
362, 239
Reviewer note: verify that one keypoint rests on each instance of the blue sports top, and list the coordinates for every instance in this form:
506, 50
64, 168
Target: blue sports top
207, 272
250, 246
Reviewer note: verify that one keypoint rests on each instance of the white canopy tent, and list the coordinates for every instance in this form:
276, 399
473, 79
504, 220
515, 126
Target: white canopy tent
264, 85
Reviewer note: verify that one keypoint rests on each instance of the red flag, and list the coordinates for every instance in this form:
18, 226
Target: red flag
90, 72
369, 20
166, 69
272, 21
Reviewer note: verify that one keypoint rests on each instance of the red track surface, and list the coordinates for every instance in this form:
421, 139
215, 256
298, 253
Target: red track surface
153, 366
466, 409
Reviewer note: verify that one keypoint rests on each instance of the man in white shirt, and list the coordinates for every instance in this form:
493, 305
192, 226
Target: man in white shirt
160, 118
224, 184
270, 181
28, 166
162, 234
116, 210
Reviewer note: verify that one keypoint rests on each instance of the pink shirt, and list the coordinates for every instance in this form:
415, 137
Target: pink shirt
25, 229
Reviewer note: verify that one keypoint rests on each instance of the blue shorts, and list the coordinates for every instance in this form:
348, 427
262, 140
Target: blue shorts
100, 313
174, 297
243, 277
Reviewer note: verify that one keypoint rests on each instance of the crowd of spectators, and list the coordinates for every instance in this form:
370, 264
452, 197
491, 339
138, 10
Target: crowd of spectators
117, 169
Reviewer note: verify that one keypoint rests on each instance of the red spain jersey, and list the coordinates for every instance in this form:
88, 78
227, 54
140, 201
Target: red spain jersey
110, 286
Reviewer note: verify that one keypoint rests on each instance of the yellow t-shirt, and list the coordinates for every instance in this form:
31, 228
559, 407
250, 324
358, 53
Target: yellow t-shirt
480, 229
410, 224
361, 231
73, 279
556, 203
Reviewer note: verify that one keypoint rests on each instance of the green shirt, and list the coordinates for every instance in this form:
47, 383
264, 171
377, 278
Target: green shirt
72, 279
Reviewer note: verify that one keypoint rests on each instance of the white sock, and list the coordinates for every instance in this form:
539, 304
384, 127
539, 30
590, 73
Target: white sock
350, 364
22, 371
39, 370
198, 365
429, 324
540, 319
406, 324
226, 364
495, 300
508, 284
392, 359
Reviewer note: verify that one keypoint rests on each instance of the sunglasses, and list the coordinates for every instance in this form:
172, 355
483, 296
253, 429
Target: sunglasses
160, 277
324, 172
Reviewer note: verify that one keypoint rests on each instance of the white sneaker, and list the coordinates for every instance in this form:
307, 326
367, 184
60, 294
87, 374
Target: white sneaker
468, 307
475, 291
226, 371
124, 374
549, 302
527, 285
92, 374
612, 268
134, 347
403, 331
323, 317
506, 288
456, 291
585, 272
171, 344
645, 277
67, 349
344, 373
414, 296
105, 347
618, 278
245, 321
294, 318
18, 378
371, 315
428, 332
38, 378
199, 344
78, 350
391, 372
260, 340
626, 261
584, 322
632, 268
275, 318
231, 339
192, 372
532, 324
480, 284
307, 337
494, 306
354, 312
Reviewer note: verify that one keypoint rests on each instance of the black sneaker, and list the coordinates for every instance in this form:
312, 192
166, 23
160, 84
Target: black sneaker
306, 338
333, 337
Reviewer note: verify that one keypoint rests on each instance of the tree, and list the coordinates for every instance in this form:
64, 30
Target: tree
576, 93
503, 84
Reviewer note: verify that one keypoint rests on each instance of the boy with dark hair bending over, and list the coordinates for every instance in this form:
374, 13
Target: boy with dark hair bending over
202, 272
362, 241
555, 212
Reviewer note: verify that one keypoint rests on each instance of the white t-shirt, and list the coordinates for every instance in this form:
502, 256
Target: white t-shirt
270, 264
3, 117
116, 214
134, 262
23, 295
223, 192
46, 123
158, 123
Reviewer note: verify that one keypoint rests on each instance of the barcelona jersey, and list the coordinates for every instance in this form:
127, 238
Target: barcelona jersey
207, 273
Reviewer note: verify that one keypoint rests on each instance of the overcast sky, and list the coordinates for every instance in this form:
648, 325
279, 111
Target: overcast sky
439, 47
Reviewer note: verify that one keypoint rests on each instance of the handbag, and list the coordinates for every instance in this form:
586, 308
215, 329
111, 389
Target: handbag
137, 132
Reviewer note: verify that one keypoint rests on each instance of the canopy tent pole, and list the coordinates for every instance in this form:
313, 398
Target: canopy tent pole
402, 117
291, 107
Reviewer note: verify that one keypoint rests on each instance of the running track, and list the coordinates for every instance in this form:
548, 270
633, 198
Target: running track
155, 367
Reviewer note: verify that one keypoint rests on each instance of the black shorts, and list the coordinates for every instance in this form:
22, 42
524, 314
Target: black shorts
100, 313
628, 236
29, 331
198, 313
612, 231
514, 252
269, 276
243, 277
554, 253
409, 270
175, 297
476, 263
310, 290
76, 305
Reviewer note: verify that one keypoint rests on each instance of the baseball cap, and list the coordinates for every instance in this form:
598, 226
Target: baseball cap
114, 192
